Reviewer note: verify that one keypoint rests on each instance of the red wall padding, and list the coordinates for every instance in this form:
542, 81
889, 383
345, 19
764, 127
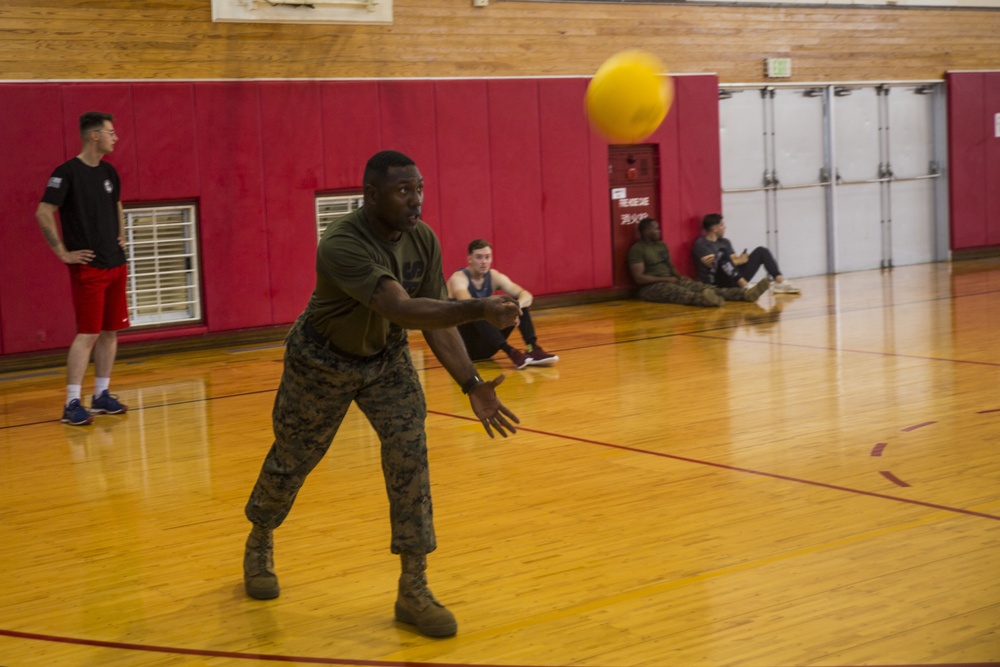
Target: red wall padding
511, 160
973, 159
351, 130
465, 211
564, 241
35, 312
515, 203
235, 268
171, 171
293, 172
991, 176
698, 165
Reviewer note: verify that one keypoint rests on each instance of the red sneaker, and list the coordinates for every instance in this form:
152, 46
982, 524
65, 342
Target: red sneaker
519, 358
539, 357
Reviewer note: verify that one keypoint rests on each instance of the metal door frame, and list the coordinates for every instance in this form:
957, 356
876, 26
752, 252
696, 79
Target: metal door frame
830, 180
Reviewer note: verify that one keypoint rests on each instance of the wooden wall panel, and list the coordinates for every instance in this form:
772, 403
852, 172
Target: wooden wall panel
73, 39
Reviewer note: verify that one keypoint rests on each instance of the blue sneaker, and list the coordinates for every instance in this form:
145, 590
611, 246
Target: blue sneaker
107, 404
75, 414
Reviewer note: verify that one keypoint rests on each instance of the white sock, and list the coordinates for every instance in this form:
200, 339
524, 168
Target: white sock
101, 385
72, 393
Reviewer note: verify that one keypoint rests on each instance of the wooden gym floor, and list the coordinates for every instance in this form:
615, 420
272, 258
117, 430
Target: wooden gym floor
809, 480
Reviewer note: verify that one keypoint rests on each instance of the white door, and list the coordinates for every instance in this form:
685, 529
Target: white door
915, 171
799, 238
835, 178
857, 194
742, 140
773, 162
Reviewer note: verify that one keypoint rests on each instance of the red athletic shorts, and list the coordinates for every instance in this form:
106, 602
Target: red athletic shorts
99, 298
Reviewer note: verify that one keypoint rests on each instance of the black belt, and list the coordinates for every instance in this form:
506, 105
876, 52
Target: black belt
313, 334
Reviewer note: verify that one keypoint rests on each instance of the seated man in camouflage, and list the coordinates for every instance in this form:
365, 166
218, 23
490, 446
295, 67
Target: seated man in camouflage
659, 281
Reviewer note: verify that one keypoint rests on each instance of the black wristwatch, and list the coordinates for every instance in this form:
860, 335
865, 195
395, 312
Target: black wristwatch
472, 383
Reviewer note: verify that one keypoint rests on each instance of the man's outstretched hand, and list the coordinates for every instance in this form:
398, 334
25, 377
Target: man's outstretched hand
491, 412
502, 311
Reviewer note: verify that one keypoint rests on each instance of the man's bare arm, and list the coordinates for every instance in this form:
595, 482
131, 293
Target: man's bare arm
45, 215
392, 302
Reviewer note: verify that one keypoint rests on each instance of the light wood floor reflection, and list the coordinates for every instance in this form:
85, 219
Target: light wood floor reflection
810, 480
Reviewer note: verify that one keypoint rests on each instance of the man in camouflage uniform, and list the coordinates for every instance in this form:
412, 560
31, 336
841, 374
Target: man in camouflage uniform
378, 273
659, 281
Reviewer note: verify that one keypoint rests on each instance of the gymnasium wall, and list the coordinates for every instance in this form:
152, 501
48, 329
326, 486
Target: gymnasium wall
507, 158
511, 160
974, 159
124, 39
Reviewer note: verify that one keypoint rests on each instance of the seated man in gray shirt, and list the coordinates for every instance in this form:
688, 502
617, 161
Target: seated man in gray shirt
719, 264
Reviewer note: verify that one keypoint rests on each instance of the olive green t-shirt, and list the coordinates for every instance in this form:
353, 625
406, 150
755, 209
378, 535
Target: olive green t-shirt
350, 262
655, 256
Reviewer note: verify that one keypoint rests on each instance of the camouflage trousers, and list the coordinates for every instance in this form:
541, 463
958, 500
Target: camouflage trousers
688, 293
317, 388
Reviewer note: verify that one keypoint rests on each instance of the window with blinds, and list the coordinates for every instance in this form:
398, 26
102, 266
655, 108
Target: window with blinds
164, 283
331, 207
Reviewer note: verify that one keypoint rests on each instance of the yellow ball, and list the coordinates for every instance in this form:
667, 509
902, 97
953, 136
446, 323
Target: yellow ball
629, 96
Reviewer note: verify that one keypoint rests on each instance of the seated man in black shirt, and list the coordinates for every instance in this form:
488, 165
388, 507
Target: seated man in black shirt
719, 265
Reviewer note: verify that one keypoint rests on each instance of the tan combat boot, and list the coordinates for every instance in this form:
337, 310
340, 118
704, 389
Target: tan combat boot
259, 578
416, 605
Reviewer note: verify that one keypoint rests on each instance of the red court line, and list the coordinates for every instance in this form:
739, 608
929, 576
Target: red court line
749, 471
877, 449
916, 426
892, 478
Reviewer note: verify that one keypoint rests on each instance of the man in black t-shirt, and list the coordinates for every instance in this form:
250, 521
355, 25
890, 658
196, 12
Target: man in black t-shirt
86, 191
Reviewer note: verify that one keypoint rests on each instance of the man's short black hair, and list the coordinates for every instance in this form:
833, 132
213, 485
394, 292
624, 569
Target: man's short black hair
93, 120
479, 244
645, 223
710, 220
379, 164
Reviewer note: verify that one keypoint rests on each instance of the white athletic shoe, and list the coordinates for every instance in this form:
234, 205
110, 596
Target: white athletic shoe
785, 287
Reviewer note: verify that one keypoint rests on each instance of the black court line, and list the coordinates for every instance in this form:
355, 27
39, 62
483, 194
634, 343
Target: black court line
264, 657
845, 349
749, 471
268, 657
146, 407
636, 450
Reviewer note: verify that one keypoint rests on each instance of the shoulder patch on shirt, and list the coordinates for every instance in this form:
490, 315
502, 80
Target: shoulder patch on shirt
55, 182
108, 186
